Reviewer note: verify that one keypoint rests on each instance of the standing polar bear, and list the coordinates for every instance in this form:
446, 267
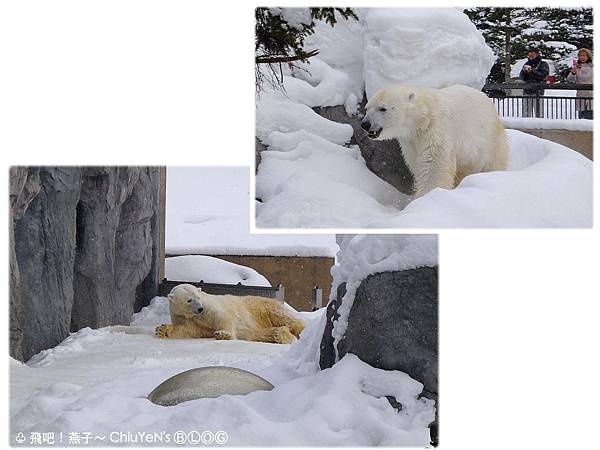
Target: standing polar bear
445, 134
196, 314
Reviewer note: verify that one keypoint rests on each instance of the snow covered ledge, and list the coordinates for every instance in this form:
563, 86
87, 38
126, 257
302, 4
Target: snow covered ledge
575, 134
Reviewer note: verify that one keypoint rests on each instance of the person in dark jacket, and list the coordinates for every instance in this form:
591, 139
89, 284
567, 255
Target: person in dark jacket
534, 71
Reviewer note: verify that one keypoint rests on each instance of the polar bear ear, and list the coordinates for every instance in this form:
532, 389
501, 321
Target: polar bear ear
411, 96
199, 289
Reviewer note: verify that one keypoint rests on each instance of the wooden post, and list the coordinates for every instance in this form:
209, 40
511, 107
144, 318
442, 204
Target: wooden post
162, 201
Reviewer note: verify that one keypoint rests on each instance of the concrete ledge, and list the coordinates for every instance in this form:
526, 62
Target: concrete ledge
580, 141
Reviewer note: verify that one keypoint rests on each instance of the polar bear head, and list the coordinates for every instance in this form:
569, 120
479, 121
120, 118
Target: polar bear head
396, 112
186, 301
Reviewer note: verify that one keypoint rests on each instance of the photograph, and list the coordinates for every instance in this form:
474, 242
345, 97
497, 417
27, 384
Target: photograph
143, 312
424, 118
390, 242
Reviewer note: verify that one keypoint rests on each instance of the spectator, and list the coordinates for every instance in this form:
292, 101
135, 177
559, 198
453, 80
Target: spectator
534, 71
583, 73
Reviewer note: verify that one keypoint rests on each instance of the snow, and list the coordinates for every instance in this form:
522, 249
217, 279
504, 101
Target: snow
211, 270
531, 123
97, 381
363, 255
547, 185
430, 47
295, 17
208, 213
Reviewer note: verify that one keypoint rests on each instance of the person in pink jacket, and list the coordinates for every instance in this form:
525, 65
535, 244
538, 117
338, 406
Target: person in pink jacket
583, 73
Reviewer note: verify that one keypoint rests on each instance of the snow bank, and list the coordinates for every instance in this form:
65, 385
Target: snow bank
363, 255
317, 179
547, 185
100, 386
208, 213
211, 270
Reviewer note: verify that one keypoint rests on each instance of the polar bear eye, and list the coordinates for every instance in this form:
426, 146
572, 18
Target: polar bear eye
382, 109
190, 300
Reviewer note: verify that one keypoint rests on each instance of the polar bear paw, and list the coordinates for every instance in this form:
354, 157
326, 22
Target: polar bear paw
222, 335
282, 335
164, 331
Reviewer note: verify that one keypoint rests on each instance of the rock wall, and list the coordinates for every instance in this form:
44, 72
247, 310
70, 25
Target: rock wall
84, 250
393, 325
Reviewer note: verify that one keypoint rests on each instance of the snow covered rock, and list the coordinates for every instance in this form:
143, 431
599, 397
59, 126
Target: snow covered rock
385, 307
392, 325
428, 47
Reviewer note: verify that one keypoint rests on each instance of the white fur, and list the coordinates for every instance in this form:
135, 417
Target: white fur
445, 134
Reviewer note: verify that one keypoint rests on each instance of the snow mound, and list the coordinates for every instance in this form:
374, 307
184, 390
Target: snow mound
362, 255
428, 47
547, 185
153, 315
211, 270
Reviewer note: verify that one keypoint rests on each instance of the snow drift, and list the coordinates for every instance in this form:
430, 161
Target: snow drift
211, 270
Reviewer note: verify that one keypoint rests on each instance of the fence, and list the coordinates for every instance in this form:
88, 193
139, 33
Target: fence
510, 100
222, 289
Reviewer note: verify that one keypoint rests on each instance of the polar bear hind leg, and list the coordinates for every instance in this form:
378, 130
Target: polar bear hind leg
274, 335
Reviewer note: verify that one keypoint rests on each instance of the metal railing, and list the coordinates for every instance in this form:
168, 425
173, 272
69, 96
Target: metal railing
221, 289
511, 100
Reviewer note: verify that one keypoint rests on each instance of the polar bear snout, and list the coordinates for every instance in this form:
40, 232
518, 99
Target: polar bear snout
196, 307
373, 131
365, 124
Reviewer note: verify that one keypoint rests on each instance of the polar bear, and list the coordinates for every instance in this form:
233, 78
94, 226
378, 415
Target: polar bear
445, 134
196, 314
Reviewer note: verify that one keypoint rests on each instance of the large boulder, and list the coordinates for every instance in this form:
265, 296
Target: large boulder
392, 325
84, 245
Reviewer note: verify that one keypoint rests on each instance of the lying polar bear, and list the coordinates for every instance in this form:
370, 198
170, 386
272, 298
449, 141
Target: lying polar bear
445, 134
196, 314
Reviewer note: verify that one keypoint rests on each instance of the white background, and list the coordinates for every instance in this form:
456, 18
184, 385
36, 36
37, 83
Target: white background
171, 82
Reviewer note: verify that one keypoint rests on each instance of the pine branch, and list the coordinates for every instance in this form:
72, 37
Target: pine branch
269, 59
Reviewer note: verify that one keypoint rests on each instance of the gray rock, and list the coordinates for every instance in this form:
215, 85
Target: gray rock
24, 185
84, 245
383, 158
392, 325
116, 228
207, 382
44, 240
